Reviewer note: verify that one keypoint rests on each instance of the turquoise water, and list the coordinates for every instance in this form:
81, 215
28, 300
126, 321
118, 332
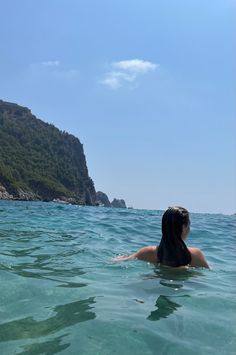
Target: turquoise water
62, 293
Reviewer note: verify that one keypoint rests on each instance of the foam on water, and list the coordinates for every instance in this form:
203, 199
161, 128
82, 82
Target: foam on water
61, 292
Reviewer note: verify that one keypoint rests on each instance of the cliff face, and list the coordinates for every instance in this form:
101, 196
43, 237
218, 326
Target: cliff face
38, 161
103, 200
116, 203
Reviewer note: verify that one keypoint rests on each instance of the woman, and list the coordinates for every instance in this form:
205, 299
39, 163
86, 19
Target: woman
172, 250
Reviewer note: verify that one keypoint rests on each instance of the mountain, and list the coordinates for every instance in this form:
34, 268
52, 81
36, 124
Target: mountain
40, 162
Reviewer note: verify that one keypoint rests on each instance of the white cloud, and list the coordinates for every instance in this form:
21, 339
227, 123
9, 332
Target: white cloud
127, 71
116, 79
137, 66
51, 63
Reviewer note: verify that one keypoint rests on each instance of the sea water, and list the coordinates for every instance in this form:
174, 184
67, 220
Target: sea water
61, 292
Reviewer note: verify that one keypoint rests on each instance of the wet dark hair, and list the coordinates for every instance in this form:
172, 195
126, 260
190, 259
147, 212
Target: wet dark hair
172, 250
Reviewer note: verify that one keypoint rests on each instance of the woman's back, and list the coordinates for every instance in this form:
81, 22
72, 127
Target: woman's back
150, 254
172, 250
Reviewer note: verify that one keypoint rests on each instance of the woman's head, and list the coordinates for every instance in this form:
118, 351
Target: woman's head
172, 250
175, 223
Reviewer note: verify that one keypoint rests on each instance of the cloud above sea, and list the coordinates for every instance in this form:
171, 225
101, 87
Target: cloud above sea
126, 72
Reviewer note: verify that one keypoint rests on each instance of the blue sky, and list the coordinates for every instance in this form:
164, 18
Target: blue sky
147, 86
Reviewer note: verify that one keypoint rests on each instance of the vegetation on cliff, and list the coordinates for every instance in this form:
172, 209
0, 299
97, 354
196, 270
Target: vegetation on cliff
38, 161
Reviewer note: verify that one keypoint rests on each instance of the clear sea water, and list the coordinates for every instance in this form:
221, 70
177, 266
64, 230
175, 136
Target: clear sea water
62, 293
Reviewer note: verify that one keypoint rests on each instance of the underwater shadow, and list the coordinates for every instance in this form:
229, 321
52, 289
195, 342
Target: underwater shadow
165, 307
66, 315
49, 347
173, 279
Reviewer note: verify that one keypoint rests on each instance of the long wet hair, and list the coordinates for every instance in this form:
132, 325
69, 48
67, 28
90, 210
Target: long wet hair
172, 250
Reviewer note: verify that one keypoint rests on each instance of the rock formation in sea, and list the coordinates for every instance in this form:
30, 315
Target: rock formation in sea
102, 199
116, 203
40, 162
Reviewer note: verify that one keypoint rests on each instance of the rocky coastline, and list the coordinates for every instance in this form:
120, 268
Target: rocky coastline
102, 199
39, 162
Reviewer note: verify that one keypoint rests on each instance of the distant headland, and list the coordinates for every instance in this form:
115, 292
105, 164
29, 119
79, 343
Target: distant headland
38, 162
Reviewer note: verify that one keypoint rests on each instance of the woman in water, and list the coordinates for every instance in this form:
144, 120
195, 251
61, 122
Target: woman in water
172, 250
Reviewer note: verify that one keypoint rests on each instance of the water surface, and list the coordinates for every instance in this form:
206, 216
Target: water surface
62, 293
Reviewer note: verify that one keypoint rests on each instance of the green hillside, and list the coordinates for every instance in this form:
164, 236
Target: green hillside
38, 161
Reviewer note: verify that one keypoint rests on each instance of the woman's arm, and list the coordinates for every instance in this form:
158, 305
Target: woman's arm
124, 257
198, 258
147, 254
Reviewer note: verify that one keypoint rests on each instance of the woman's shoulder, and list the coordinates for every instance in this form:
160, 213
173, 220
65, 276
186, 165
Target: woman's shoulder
197, 257
148, 253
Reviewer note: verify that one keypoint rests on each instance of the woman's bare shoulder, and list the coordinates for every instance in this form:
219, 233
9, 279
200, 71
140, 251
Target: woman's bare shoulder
198, 258
148, 253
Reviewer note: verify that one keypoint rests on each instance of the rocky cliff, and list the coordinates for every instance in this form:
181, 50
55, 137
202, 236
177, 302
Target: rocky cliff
118, 203
40, 162
103, 200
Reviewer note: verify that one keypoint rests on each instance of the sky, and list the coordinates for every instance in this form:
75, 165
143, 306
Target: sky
147, 86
